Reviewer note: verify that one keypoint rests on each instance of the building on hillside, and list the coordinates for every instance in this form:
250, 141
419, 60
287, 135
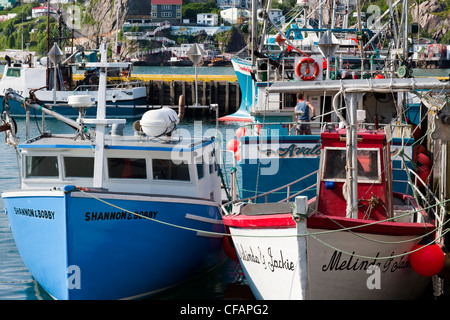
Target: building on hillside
42, 11
207, 19
8, 16
167, 10
240, 4
7, 3
275, 15
235, 15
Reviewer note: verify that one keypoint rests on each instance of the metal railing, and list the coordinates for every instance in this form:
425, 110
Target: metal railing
286, 186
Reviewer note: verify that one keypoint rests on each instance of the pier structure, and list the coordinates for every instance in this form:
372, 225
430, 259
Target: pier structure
164, 90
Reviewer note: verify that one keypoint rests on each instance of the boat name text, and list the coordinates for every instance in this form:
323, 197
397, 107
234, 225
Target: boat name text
337, 263
121, 215
35, 213
294, 151
269, 261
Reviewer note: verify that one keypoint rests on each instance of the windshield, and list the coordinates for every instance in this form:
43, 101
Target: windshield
335, 164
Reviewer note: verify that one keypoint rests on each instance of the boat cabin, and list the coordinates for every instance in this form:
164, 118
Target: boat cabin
141, 165
375, 199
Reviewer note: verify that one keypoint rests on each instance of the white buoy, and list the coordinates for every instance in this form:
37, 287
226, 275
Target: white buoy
155, 123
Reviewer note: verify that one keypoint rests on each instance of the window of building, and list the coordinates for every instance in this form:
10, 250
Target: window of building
166, 14
127, 168
41, 166
78, 167
166, 169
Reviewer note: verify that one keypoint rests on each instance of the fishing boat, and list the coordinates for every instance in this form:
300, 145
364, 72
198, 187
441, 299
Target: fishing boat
268, 140
107, 216
355, 239
31, 78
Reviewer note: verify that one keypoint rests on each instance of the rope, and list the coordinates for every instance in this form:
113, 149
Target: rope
227, 234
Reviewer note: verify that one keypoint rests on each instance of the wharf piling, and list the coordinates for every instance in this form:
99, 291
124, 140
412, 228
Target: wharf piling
166, 93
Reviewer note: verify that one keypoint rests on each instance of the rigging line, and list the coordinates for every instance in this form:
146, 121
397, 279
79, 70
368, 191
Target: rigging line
221, 233
368, 257
380, 241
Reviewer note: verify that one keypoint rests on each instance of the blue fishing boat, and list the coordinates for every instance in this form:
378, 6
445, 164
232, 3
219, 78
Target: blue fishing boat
34, 79
107, 216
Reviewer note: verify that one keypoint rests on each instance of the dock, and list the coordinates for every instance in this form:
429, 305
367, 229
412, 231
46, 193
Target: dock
169, 77
165, 90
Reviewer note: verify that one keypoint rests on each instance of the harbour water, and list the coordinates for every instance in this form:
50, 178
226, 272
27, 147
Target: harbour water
16, 283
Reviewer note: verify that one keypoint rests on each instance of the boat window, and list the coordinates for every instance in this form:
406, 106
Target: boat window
200, 170
368, 165
212, 162
37, 166
165, 169
79, 167
13, 72
127, 168
335, 163
334, 166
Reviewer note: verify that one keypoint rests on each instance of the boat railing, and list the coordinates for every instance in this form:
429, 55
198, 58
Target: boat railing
398, 130
432, 203
286, 67
122, 85
265, 195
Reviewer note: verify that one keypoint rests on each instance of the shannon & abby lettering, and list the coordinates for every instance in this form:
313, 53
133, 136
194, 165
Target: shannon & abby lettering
35, 213
121, 215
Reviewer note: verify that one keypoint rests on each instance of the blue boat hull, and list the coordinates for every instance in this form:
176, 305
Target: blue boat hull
128, 109
78, 247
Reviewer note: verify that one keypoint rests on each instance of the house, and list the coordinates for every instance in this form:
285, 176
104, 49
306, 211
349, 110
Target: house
275, 15
7, 3
42, 11
207, 19
166, 10
8, 16
235, 15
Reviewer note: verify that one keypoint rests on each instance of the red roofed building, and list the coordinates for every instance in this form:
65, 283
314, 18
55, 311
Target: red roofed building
169, 10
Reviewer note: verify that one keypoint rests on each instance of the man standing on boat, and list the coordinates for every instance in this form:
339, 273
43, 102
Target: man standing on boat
302, 115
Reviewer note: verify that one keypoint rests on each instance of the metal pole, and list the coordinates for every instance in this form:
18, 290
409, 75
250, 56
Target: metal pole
352, 159
196, 86
101, 125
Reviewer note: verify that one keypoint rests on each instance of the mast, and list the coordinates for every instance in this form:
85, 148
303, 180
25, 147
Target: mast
254, 40
101, 122
351, 100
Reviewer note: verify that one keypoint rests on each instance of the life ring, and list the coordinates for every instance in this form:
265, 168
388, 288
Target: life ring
124, 73
298, 69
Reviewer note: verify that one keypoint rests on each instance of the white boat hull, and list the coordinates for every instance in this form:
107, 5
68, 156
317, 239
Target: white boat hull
281, 266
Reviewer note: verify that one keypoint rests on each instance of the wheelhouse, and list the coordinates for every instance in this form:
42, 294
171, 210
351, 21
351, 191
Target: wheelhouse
137, 168
374, 175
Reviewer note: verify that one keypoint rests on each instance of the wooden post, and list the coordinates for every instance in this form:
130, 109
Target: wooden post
161, 93
227, 97
183, 90
172, 93
204, 93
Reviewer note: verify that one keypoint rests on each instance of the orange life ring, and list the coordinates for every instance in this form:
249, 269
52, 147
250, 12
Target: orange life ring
124, 73
298, 69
